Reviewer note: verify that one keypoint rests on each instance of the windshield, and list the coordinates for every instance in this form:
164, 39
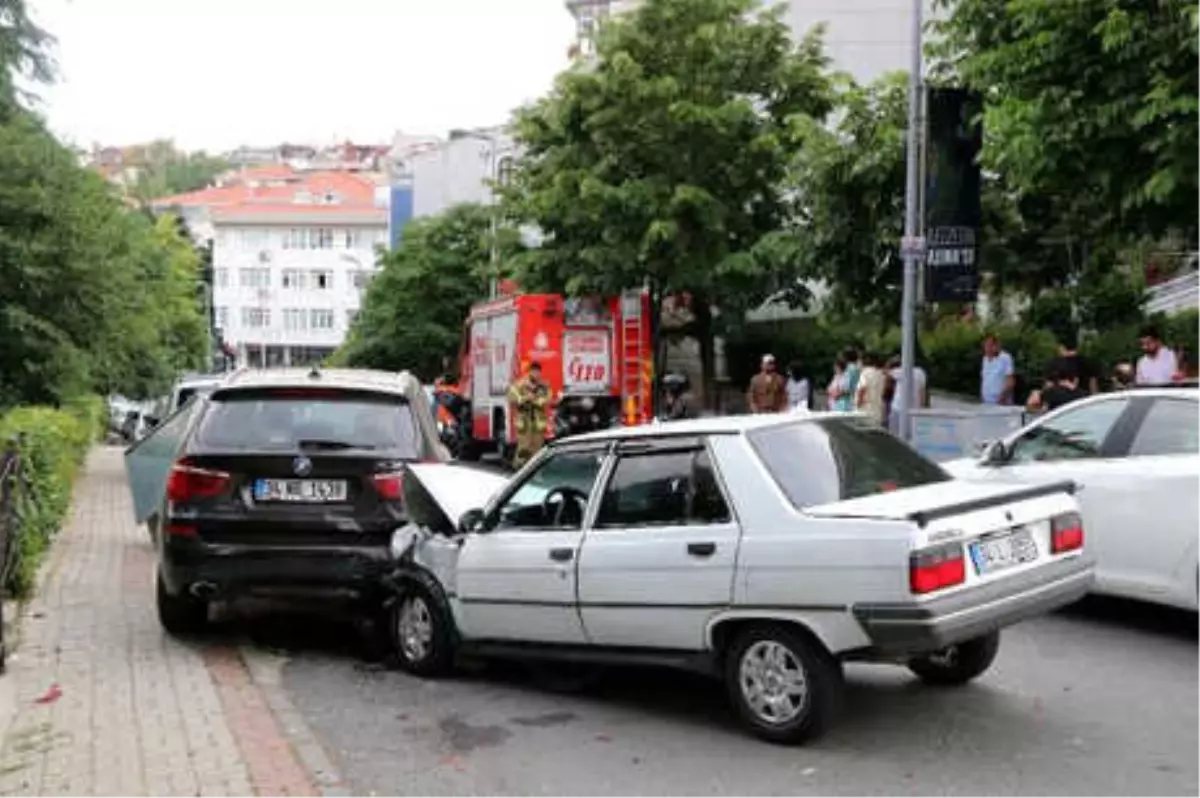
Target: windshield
817, 462
350, 421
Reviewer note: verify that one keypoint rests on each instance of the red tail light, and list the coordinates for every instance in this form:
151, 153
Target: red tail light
937, 568
1066, 533
180, 530
390, 486
187, 483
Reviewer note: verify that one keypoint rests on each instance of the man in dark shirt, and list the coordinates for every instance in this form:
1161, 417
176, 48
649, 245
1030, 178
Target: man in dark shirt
1062, 388
1069, 361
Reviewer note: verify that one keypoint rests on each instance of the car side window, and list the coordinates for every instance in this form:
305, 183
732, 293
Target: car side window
554, 496
663, 489
1077, 434
1170, 427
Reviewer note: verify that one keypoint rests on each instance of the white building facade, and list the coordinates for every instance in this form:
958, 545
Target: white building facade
457, 170
287, 286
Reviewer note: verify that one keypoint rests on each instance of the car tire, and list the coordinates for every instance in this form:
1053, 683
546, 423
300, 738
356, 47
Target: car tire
957, 664
757, 665
180, 615
421, 634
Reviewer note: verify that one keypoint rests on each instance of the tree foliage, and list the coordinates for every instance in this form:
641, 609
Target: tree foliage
24, 53
1091, 107
164, 170
93, 296
848, 189
663, 159
413, 312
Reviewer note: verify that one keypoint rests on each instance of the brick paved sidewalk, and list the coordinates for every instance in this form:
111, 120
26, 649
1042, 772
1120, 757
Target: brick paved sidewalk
136, 712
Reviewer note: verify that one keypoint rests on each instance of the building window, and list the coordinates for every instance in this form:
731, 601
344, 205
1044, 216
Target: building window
322, 280
351, 315
322, 319
361, 277
350, 239
320, 238
221, 318
295, 319
255, 278
221, 278
256, 318
293, 279
295, 238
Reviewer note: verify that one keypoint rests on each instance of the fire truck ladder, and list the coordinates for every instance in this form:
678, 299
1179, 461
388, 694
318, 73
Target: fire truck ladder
633, 358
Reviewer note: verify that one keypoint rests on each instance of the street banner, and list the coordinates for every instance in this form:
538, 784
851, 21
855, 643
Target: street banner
952, 209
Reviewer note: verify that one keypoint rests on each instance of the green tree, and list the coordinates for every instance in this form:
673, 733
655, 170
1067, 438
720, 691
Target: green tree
848, 190
413, 312
24, 53
1091, 109
164, 170
662, 160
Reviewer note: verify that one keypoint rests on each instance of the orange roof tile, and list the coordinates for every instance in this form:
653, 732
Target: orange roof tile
353, 191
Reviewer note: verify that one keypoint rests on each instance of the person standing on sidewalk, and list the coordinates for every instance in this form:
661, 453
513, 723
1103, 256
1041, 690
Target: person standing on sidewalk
798, 388
767, 393
853, 372
872, 381
997, 373
1157, 365
528, 398
920, 391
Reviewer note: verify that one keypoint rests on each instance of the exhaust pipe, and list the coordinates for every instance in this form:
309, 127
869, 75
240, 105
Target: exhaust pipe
203, 590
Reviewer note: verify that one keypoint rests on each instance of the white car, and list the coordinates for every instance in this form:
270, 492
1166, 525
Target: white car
1135, 456
762, 549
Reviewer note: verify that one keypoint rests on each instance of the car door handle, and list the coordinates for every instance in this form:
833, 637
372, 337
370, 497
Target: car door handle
701, 549
562, 555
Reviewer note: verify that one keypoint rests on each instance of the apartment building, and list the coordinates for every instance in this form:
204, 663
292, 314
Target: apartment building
457, 169
293, 253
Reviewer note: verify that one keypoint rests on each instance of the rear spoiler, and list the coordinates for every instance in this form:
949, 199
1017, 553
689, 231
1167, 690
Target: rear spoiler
923, 517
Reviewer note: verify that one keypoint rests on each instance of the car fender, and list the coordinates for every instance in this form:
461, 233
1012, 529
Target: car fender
834, 627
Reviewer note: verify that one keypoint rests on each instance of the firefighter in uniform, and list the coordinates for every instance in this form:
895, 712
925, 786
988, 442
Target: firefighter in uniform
528, 399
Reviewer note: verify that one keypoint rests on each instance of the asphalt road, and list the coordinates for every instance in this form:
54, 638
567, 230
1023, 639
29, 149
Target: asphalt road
1099, 700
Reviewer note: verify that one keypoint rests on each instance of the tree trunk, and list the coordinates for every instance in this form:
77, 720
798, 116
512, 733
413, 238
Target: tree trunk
703, 331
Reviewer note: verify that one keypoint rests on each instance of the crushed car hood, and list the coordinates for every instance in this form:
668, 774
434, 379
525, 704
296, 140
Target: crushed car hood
452, 490
904, 504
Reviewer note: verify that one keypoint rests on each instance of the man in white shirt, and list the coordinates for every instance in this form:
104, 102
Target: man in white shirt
1157, 365
920, 392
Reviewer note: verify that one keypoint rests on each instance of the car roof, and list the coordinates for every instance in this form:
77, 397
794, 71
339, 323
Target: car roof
400, 383
711, 425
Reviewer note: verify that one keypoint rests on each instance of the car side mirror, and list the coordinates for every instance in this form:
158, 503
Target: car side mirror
996, 453
471, 521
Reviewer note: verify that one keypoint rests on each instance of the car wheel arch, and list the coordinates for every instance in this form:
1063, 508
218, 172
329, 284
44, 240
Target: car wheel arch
724, 630
414, 575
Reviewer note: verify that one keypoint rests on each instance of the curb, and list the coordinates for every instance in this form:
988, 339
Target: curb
266, 672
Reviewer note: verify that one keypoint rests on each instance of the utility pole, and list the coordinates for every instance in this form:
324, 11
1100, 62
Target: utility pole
913, 245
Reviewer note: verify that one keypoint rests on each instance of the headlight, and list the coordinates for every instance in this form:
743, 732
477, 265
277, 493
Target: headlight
402, 540
587, 403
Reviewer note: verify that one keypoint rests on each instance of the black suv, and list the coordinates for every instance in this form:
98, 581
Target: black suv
279, 483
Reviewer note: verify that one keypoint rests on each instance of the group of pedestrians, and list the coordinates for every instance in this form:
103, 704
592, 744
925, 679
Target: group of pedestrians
862, 382
1071, 375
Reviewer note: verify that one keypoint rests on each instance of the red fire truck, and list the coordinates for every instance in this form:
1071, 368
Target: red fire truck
596, 355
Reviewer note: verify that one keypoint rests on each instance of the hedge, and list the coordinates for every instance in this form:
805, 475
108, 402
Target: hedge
949, 350
53, 444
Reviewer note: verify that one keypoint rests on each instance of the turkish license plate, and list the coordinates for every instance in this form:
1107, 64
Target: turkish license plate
300, 491
997, 554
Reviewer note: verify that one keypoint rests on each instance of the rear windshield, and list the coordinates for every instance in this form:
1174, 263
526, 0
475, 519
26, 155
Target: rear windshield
265, 421
817, 462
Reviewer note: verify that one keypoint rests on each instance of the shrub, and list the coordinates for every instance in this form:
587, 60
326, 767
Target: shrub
53, 444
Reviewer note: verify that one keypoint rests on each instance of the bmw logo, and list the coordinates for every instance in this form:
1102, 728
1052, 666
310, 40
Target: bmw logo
302, 466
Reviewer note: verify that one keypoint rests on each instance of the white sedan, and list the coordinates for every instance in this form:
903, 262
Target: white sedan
764, 550
1135, 456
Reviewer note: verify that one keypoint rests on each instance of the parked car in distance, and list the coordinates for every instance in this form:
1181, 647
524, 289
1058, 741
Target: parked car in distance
192, 385
1136, 458
281, 483
766, 550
